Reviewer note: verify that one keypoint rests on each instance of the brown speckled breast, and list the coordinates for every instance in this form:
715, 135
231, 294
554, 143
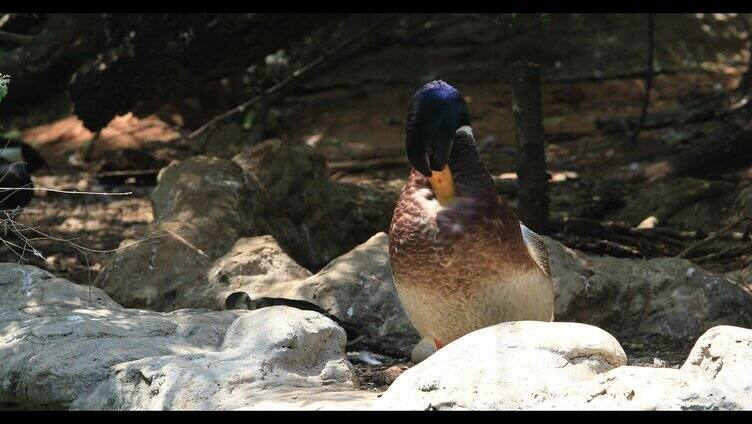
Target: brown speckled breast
465, 266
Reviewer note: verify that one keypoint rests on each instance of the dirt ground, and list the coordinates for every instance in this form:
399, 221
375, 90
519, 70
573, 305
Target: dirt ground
76, 234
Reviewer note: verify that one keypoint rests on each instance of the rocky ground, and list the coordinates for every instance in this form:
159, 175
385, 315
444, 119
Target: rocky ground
124, 306
67, 345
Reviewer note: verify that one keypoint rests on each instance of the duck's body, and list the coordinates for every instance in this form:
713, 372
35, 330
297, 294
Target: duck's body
467, 263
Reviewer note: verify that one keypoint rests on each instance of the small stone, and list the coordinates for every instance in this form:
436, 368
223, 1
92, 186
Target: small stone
422, 350
659, 362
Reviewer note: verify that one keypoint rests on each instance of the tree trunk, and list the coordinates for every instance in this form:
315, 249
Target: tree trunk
648, 81
531, 160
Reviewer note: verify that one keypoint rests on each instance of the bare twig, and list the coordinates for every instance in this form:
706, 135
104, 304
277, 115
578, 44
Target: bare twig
92, 193
648, 80
292, 80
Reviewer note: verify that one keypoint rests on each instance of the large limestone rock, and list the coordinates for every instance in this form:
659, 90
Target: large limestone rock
266, 353
283, 191
357, 288
203, 205
59, 339
505, 366
256, 261
558, 365
199, 213
665, 298
65, 345
309, 399
640, 388
724, 355
256, 257
313, 219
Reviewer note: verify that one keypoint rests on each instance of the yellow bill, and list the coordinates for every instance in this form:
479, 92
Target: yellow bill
443, 185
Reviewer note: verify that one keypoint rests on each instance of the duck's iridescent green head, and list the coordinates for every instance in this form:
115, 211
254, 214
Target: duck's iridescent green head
436, 112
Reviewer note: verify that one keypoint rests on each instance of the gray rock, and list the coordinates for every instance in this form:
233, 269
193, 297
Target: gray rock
422, 350
64, 345
666, 298
266, 354
255, 259
357, 288
58, 339
313, 218
723, 355
203, 205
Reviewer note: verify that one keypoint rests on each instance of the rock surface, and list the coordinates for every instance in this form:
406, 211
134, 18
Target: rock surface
203, 205
65, 345
58, 339
265, 353
724, 355
199, 213
253, 260
313, 219
358, 289
638, 388
422, 350
559, 365
504, 358
666, 298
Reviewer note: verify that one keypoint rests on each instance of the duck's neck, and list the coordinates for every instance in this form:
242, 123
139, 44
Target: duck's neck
471, 178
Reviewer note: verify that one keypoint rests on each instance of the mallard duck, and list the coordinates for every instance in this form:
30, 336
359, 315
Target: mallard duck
461, 259
17, 162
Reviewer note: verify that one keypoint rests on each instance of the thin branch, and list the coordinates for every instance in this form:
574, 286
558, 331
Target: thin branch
94, 193
292, 80
648, 80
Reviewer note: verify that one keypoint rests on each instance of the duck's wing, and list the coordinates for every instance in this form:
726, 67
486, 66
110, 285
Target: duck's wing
537, 249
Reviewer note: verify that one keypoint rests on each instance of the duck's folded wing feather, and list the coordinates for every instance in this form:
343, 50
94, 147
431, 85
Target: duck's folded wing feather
537, 249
